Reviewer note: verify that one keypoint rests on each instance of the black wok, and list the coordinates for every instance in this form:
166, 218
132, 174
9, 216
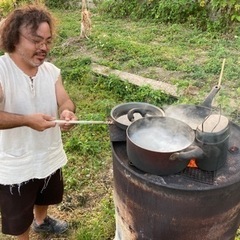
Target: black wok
193, 115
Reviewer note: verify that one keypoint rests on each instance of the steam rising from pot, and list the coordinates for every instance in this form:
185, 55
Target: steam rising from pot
161, 134
189, 114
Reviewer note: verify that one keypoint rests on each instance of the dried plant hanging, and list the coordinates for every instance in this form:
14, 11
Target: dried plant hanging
85, 21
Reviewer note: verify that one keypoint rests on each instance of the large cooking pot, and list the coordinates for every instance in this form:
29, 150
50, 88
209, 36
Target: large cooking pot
193, 115
152, 144
124, 114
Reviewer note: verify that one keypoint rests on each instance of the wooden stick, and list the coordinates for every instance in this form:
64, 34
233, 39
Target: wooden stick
80, 122
221, 74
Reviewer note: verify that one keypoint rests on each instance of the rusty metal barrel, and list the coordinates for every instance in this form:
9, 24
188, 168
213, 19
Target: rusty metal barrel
178, 206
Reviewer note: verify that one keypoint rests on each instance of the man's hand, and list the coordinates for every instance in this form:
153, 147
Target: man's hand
39, 121
67, 116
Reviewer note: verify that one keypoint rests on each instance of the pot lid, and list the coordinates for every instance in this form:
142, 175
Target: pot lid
214, 123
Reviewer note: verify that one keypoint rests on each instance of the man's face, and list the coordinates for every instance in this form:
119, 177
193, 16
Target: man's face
33, 48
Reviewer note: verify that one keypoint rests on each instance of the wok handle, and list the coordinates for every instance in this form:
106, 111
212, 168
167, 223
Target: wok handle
209, 99
193, 152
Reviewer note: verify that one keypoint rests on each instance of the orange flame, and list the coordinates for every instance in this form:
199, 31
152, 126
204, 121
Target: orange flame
192, 163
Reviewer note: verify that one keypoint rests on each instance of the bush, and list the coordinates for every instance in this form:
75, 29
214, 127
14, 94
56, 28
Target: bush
222, 13
205, 14
6, 6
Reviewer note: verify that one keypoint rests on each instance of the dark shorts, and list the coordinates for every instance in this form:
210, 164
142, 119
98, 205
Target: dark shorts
17, 202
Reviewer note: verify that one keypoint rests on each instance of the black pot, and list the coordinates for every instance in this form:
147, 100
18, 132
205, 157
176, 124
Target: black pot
153, 145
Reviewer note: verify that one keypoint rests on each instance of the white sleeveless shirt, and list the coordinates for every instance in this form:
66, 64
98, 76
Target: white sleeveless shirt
26, 153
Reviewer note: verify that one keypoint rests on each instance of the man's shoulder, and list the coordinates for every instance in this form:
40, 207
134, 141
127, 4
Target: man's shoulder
50, 65
3, 60
3, 57
50, 68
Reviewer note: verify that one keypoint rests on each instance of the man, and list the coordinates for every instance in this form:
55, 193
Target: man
32, 96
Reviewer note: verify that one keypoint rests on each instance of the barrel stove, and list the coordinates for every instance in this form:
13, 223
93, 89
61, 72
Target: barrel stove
193, 204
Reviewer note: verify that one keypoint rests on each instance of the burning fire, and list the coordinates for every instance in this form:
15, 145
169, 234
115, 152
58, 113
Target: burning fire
192, 163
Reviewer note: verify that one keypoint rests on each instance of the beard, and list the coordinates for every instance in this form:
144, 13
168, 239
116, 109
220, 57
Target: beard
39, 55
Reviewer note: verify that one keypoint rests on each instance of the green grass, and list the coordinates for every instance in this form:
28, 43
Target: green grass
142, 47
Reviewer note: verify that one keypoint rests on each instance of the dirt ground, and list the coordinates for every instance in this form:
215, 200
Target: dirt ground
56, 212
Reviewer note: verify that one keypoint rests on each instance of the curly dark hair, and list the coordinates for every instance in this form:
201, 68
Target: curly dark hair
30, 16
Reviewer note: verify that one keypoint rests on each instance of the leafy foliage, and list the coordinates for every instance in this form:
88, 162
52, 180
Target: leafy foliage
222, 13
205, 14
6, 6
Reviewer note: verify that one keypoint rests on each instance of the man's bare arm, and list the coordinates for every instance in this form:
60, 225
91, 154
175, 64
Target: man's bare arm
36, 121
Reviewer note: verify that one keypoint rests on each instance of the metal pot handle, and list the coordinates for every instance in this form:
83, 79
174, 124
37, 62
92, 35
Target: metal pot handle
130, 113
193, 152
209, 99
